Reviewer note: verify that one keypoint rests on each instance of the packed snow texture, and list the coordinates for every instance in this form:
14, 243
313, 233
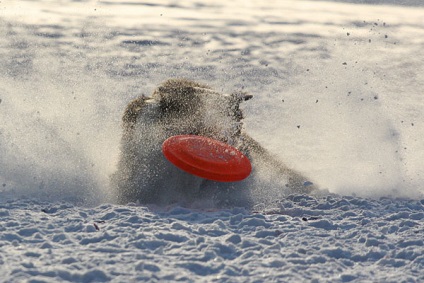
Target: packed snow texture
303, 239
337, 96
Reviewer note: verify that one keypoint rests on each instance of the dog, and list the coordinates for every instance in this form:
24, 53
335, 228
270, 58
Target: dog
180, 107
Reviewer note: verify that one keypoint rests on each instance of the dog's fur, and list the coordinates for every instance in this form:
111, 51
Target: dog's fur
181, 106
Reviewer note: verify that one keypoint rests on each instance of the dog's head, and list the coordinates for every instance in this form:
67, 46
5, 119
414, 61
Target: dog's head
187, 107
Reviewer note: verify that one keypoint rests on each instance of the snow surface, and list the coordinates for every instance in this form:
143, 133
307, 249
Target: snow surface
337, 95
304, 239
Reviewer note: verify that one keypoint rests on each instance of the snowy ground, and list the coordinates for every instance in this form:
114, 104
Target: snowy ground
305, 239
337, 95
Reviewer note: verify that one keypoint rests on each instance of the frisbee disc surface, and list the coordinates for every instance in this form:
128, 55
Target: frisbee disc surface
207, 158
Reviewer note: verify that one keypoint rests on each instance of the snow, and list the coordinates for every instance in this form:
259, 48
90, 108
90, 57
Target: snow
304, 238
337, 95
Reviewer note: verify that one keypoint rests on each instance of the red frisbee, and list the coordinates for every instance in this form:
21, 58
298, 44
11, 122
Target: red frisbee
207, 158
